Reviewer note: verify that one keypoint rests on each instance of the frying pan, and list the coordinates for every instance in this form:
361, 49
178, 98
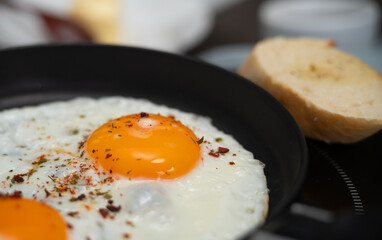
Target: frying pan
33, 75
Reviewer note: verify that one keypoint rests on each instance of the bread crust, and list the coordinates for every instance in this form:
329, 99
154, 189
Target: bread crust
315, 121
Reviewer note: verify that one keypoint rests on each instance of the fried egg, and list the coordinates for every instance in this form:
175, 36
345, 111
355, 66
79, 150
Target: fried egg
124, 168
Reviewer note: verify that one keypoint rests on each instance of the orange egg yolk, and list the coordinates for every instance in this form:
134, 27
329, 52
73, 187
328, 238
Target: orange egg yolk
144, 145
25, 219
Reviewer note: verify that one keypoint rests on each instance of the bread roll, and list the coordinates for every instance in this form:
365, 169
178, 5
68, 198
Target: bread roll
333, 96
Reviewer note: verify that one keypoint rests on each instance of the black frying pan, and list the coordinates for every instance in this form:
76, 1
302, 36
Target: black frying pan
260, 123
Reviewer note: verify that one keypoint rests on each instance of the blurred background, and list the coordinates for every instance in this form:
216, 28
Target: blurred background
218, 31
223, 33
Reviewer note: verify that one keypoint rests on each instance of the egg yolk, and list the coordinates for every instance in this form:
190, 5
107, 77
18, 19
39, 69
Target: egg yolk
144, 145
24, 219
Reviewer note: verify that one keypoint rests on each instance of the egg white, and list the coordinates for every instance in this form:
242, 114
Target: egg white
222, 198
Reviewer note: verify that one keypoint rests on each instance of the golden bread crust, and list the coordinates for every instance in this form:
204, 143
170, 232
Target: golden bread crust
318, 118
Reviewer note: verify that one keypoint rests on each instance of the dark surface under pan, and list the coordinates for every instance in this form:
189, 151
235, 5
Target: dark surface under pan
40, 74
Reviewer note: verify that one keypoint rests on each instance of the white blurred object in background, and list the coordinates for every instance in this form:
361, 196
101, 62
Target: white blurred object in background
352, 24
31, 28
169, 25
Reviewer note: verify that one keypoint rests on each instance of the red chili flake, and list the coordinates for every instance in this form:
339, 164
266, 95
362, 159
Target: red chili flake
47, 192
231, 163
73, 214
113, 208
79, 198
81, 144
10, 170
93, 151
126, 235
130, 223
214, 154
143, 114
110, 201
70, 226
15, 194
108, 155
18, 178
104, 212
234, 154
223, 150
